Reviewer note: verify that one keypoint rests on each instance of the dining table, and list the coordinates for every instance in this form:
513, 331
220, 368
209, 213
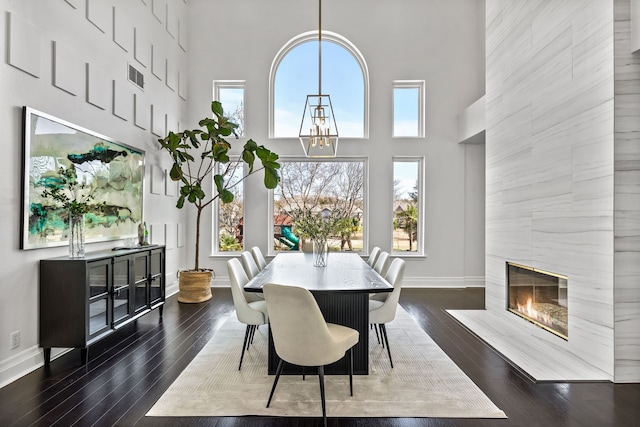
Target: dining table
341, 289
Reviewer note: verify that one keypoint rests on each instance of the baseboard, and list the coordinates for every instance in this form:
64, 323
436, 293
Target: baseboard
20, 364
443, 282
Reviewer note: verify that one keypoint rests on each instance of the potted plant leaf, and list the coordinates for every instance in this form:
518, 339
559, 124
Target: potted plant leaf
202, 154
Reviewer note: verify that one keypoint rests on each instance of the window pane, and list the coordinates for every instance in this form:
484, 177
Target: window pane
406, 196
230, 215
406, 111
232, 99
342, 80
331, 187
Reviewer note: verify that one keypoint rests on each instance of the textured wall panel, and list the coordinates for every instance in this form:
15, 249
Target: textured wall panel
142, 47
24, 45
122, 100
172, 19
68, 73
141, 111
182, 34
99, 87
157, 178
123, 34
170, 236
158, 60
99, 13
172, 75
158, 120
171, 188
159, 10
157, 234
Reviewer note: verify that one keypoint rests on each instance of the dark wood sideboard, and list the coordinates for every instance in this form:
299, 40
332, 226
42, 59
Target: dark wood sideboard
82, 300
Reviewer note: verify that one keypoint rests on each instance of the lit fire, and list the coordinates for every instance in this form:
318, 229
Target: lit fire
534, 314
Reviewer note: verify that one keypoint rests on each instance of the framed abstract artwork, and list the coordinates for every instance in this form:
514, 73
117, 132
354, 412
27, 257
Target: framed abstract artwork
112, 173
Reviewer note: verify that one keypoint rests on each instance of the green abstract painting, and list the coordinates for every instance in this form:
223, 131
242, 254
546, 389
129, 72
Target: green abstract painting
110, 172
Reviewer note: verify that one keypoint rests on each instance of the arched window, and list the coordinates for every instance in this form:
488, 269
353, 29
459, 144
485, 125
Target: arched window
294, 75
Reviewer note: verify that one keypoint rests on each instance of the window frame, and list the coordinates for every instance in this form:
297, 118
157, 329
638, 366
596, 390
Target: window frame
313, 36
420, 205
365, 196
409, 84
233, 84
215, 218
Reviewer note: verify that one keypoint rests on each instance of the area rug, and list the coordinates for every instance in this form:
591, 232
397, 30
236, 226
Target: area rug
423, 383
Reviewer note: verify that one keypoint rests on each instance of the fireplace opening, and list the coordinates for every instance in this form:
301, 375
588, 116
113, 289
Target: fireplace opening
538, 296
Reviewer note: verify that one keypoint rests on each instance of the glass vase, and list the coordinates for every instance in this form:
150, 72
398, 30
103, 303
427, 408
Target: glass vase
76, 235
320, 253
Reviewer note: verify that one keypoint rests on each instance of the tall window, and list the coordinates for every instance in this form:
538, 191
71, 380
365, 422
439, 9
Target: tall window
321, 187
294, 75
229, 232
408, 108
231, 94
407, 205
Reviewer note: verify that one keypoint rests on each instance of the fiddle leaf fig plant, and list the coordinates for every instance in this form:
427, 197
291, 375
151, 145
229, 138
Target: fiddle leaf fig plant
200, 154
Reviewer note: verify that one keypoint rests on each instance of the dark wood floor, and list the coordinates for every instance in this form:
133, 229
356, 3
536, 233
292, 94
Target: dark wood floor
130, 370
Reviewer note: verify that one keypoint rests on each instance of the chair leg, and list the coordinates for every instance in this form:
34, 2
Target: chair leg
321, 379
375, 326
251, 335
275, 380
351, 371
244, 345
383, 329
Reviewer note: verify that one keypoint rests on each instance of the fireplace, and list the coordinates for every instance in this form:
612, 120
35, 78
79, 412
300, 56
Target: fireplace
538, 296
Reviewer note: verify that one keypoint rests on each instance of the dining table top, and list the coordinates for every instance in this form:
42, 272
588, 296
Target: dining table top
344, 272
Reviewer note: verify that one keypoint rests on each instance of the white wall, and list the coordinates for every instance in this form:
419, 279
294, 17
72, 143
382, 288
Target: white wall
440, 41
28, 27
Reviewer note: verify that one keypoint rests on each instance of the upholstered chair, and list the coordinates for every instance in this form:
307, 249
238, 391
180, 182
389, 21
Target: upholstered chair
249, 264
382, 306
249, 311
382, 263
258, 258
302, 337
373, 256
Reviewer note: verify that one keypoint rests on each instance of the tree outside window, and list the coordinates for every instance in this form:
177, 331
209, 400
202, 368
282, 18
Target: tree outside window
231, 215
323, 188
406, 205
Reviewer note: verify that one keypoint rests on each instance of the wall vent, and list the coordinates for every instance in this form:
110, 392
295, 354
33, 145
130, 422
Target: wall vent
136, 77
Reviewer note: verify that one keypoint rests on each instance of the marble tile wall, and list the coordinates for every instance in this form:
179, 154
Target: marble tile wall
627, 194
550, 159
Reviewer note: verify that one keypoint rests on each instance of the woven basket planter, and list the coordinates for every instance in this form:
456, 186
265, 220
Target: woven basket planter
194, 286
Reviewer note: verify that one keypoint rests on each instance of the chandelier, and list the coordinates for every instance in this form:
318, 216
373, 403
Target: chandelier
318, 130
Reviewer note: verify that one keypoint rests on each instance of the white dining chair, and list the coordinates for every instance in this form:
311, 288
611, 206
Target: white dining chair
258, 257
302, 337
249, 310
383, 305
373, 256
249, 264
382, 263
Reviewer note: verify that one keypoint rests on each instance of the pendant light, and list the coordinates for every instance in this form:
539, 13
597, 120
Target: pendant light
318, 130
